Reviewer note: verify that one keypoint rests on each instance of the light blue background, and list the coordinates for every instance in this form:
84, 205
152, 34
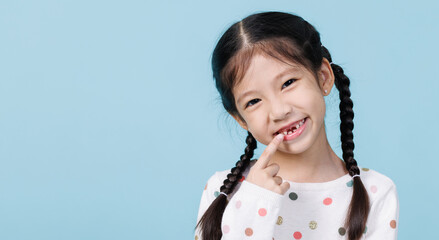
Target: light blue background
110, 124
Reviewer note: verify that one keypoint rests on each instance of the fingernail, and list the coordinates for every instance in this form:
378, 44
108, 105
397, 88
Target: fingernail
280, 136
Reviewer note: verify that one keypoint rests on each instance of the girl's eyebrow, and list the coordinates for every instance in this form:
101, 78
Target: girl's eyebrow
291, 69
245, 94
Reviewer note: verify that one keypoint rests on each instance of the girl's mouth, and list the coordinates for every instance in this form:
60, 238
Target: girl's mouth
294, 131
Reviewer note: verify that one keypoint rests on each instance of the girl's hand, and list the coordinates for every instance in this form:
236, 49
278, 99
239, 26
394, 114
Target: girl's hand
265, 176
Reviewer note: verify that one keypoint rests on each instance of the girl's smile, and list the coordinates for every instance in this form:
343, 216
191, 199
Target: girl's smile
293, 130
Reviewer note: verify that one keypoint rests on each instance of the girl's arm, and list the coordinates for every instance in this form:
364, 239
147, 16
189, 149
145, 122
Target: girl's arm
383, 220
251, 211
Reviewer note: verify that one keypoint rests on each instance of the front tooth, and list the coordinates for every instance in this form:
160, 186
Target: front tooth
297, 126
285, 132
290, 132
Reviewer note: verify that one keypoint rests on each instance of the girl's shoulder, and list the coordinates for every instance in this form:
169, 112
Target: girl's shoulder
372, 175
222, 175
377, 184
217, 179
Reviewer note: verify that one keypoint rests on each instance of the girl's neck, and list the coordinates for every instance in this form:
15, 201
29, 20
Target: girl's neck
318, 164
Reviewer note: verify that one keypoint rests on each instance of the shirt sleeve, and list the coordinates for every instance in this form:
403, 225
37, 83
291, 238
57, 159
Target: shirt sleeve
251, 212
384, 216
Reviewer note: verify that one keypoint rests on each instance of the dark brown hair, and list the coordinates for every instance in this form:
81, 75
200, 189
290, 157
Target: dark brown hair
289, 38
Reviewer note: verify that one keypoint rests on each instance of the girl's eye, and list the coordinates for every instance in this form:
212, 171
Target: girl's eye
287, 83
252, 102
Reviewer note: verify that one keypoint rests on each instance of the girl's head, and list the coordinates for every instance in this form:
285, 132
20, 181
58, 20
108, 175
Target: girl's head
273, 95
246, 64
271, 70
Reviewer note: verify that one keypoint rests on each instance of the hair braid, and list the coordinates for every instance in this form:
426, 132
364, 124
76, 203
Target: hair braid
342, 83
210, 222
359, 207
346, 116
236, 172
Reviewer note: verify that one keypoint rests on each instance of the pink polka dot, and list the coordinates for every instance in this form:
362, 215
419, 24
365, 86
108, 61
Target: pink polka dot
238, 204
297, 235
373, 188
226, 229
262, 212
327, 201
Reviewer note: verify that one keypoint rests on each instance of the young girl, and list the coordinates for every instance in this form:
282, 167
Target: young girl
273, 73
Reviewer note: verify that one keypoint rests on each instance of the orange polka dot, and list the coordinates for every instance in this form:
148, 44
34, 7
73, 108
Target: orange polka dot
248, 232
205, 187
327, 201
242, 179
393, 224
262, 212
297, 235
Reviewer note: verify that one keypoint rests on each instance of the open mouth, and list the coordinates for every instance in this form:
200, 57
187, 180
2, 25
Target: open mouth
292, 128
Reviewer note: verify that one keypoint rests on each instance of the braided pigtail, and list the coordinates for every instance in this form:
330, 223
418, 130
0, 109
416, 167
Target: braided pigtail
210, 222
359, 207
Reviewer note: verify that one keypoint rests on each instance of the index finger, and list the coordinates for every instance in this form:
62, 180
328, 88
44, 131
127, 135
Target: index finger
268, 152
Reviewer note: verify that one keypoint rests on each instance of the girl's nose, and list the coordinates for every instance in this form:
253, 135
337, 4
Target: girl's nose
279, 110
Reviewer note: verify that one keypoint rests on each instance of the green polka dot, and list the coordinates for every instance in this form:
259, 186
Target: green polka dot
216, 193
279, 220
293, 196
365, 229
365, 169
313, 225
350, 183
342, 231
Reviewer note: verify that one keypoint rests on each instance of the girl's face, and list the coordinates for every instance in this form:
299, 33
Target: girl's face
273, 95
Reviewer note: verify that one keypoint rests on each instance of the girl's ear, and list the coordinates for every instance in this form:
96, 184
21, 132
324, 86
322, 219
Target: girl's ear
326, 77
241, 122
